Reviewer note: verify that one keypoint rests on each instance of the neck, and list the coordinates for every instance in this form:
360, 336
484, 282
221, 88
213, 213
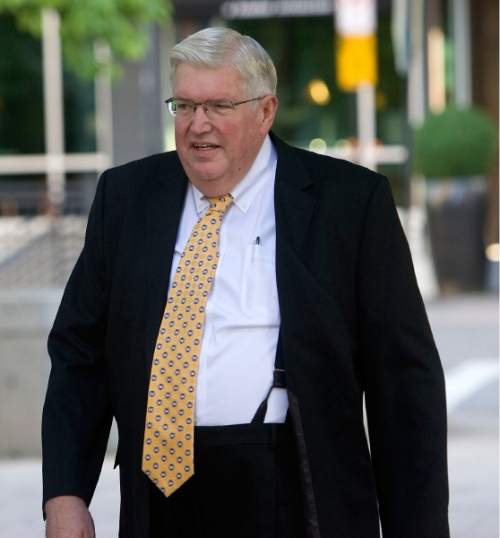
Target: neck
215, 187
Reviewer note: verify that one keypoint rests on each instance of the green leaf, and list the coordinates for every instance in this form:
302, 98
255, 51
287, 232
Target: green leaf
121, 24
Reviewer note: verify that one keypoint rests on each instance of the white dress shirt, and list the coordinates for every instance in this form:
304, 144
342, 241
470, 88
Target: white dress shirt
242, 317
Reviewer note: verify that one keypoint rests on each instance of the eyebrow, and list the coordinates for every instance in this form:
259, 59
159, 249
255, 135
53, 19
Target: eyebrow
204, 101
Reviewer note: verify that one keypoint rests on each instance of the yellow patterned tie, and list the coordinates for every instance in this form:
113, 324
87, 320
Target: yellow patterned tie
167, 456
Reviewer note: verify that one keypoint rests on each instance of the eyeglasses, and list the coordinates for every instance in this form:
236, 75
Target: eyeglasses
184, 108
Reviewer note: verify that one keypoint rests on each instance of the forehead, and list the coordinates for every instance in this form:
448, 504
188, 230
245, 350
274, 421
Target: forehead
203, 83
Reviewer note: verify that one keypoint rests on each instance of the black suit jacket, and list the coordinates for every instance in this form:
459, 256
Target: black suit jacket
353, 324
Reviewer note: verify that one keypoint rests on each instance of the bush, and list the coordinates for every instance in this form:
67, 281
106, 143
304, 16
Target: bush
458, 142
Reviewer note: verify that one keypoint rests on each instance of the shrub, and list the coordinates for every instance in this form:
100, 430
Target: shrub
458, 142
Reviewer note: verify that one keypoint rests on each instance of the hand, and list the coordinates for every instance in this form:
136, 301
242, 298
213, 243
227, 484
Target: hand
68, 517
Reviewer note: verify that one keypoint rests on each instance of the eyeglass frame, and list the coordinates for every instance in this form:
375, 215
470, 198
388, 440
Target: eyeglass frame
205, 104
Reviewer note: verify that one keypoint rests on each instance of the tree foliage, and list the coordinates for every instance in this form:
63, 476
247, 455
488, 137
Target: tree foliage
121, 24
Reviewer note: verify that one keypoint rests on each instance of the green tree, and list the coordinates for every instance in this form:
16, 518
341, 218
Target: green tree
121, 24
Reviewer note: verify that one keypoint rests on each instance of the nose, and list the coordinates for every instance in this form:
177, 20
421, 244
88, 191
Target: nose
200, 123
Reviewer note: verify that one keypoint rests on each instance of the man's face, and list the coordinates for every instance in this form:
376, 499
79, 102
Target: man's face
217, 152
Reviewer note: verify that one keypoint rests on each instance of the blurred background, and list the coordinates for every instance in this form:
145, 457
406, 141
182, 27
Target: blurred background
406, 87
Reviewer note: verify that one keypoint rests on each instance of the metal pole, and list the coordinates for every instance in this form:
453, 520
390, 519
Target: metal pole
104, 105
365, 102
416, 223
462, 60
53, 108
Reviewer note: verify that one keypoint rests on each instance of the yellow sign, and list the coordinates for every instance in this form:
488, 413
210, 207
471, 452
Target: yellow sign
356, 61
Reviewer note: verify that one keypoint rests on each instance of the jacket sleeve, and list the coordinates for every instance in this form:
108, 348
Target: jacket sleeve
76, 414
403, 381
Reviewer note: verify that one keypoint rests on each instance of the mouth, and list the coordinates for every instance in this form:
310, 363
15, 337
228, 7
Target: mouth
204, 146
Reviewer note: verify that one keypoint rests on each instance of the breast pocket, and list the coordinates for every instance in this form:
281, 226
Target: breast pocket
259, 291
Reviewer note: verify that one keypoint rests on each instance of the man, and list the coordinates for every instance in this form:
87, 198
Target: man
237, 384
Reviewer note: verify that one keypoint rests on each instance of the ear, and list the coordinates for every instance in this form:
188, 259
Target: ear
267, 112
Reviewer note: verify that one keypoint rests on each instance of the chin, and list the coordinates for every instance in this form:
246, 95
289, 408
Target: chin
207, 173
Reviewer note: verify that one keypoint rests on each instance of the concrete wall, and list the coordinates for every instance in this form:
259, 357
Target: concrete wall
26, 317
25, 320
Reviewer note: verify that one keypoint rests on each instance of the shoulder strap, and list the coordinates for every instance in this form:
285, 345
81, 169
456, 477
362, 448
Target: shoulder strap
279, 382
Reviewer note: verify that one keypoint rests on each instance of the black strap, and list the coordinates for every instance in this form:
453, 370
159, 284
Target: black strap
279, 382
279, 361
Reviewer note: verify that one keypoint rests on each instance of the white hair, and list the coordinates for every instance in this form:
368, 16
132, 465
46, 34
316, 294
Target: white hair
219, 47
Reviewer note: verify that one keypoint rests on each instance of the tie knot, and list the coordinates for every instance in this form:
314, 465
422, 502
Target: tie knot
220, 203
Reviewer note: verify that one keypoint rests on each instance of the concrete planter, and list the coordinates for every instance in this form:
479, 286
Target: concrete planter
456, 214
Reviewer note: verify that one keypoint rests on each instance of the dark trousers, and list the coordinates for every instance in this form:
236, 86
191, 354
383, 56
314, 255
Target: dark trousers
246, 485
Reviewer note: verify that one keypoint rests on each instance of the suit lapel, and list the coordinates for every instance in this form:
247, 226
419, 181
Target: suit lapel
294, 205
294, 208
163, 212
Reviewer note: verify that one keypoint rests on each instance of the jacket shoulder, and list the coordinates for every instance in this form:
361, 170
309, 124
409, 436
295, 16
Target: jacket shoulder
329, 172
143, 168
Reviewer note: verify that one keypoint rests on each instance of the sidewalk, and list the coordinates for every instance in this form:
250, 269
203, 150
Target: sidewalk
21, 495
466, 332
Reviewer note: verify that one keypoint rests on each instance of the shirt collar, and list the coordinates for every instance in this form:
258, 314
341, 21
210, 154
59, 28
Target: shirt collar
247, 189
